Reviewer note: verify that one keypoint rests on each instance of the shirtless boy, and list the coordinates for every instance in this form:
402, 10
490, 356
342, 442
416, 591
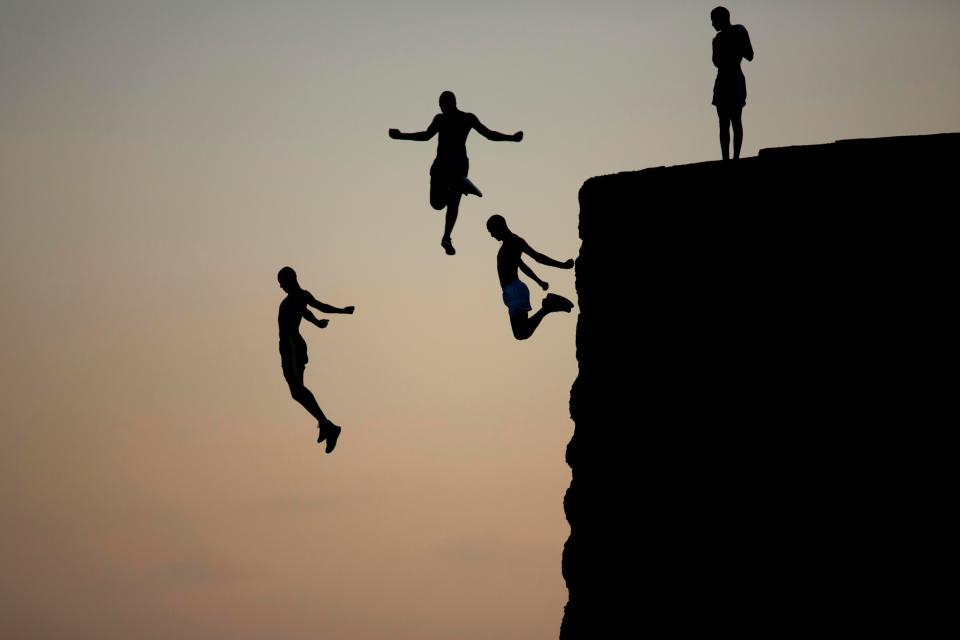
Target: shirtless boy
448, 173
516, 295
293, 348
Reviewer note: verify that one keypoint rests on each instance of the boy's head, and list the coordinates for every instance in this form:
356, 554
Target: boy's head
720, 17
448, 102
497, 226
287, 278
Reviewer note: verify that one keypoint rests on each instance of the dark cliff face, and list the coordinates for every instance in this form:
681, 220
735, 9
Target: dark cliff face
749, 343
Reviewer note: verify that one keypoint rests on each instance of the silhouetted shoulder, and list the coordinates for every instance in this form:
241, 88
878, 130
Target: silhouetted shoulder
516, 242
299, 298
744, 37
741, 36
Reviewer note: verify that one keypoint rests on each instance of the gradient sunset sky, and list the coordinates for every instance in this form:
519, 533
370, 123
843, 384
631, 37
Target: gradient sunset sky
160, 161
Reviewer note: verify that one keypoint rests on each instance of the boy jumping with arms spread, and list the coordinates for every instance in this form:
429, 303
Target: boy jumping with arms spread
516, 295
293, 348
448, 173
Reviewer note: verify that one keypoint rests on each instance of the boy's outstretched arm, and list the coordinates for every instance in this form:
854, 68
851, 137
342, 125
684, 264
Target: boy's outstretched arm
420, 136
496, 136
312, 318
326, 308
542, 259
530, 274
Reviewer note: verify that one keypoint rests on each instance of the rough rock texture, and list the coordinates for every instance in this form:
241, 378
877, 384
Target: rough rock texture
749, 343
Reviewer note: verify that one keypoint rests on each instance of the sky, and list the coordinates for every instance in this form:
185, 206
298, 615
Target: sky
160, 161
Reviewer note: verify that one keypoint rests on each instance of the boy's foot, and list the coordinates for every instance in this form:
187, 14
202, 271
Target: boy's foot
333, 432
470, 188
323, 431
553, 302
447, 245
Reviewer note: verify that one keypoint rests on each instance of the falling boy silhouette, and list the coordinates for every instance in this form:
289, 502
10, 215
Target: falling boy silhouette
293, 348
448, 173
730, 46
516, 295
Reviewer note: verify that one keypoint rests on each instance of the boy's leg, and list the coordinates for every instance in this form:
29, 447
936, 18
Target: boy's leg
736, 120
524, 326
724, 118
453, 209
294, 378
438, 193
305, 397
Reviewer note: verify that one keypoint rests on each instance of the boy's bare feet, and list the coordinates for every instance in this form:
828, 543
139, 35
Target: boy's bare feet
333, 432
553, 302
470, 188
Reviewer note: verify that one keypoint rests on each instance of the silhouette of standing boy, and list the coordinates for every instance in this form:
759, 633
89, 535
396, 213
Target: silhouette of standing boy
730, 46
293, 348
448, 173
516, 295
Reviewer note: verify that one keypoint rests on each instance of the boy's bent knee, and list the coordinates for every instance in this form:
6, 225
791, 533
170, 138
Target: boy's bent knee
296, 391
521, 334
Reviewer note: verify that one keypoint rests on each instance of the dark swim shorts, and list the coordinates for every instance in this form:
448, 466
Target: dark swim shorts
293, 354
449, 168
516, 296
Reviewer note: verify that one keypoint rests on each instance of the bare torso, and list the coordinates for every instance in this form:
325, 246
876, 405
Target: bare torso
291, 313
453, 129
508, 259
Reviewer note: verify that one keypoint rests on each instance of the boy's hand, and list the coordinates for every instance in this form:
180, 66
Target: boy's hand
518, 136
544, 285
323, 323
394, 133
348, 309
568, 264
